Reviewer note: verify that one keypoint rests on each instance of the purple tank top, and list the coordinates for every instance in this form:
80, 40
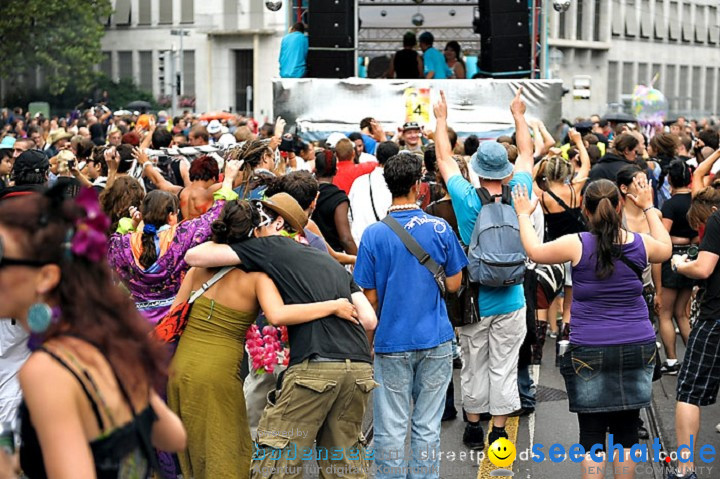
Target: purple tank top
612, 310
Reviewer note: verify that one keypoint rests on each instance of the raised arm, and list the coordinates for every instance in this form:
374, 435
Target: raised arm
702, 171
211, 255
280, 314
525, 160
548, 140
443, 152
584, 171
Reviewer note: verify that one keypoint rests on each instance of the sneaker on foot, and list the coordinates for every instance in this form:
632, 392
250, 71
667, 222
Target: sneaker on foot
670, 370
553, 334
474, 436
643, 433
717, 428
496, 434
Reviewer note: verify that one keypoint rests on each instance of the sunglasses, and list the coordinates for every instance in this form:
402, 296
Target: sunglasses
265, 219
16, 261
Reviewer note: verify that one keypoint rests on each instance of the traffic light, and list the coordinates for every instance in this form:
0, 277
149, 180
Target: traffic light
161, 72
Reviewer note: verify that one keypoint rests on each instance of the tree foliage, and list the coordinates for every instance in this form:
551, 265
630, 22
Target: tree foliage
61, 36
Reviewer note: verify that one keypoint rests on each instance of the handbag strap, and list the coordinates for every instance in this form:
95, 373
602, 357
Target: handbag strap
372, 200
578, 216
207, 285
413, 246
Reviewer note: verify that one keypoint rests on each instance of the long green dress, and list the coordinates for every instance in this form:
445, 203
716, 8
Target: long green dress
205, 390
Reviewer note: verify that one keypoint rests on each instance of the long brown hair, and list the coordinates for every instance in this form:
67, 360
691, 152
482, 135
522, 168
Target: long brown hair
92, 306
116, 200
601, 200
702, 206
251, 153
155, 209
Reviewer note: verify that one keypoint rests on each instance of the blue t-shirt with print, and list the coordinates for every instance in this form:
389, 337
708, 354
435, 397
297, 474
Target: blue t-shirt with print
434, 61
467, 205
412, 313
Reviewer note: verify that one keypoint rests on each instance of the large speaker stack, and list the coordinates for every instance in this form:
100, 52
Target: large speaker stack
504, 38
331, 38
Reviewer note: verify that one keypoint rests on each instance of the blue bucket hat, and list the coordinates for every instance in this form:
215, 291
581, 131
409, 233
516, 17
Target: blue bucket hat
490, 161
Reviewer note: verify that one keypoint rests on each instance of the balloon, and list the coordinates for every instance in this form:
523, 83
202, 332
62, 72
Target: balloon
649, 105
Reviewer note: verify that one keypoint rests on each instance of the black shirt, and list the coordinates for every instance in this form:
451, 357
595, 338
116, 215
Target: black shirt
406, 64
710, 288
306, 275
676, 209
324, 215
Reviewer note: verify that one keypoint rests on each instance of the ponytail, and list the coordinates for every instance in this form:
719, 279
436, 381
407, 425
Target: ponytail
156, 207
601, 200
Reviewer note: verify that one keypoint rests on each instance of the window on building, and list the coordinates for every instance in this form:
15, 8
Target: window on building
187, 11
166, 12
106, 64
618, 25
701, 18
628, 78
631, 20
687, 24
674, 30
696, 88
660, 25
683, 88
146, 71
122, 12
670, 90
597, 36
713, 25
612, 83
243, 80
562, 25
709, 90
645, 19
189, 72
144, 12
125, 66
580, 12
657, 69
642, 76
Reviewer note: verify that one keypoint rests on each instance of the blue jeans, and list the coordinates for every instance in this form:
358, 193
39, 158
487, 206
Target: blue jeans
418, 378
526, 388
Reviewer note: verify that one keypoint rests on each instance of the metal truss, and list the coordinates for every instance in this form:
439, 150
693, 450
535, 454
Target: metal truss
424, 3
380, 41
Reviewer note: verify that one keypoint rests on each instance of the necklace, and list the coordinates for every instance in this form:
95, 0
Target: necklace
409, 206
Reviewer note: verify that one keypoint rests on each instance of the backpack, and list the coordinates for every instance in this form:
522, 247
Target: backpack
496, 254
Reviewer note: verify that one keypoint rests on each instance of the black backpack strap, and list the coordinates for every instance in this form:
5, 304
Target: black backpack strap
506, 195
414, 247
485, 197
636, 269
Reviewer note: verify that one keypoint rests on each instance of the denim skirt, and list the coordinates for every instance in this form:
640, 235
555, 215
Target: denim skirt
608, 378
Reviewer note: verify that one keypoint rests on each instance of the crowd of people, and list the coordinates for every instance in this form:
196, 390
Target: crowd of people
231, 313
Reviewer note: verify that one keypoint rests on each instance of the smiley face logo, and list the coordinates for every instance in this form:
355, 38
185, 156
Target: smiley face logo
501, 452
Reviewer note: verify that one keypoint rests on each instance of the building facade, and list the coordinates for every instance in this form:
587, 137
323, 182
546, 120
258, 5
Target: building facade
227, 46
616, 44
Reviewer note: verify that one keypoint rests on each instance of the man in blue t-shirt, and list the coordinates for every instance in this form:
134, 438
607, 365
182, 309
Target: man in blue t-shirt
413, 353
434, 61
491, 346
293, 52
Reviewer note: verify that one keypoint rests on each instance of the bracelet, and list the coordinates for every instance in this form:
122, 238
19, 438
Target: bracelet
648, 208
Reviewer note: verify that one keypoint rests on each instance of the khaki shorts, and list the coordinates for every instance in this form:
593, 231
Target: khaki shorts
323, 401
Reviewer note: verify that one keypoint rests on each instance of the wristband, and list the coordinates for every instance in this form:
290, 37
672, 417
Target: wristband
648, 208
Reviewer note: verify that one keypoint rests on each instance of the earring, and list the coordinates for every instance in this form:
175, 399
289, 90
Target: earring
39, 317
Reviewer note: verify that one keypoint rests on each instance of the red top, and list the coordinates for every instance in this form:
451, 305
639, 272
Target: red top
348, 171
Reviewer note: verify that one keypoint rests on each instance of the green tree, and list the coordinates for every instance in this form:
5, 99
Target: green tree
61, 36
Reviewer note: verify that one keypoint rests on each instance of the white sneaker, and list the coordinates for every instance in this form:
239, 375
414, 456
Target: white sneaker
717, 428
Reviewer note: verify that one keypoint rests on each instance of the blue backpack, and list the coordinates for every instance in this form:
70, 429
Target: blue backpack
496, 254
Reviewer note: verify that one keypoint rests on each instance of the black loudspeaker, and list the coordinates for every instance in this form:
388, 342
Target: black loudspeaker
331, 24
330, 63
504, 38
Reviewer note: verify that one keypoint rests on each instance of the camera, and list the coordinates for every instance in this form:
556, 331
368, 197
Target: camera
288, 143
561, 5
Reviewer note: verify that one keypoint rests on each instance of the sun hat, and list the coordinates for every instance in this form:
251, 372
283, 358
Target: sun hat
490, 161
333, 139
287, 207
57, 135
214, 127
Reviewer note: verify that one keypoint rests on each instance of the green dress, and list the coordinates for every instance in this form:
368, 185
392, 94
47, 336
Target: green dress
206, 391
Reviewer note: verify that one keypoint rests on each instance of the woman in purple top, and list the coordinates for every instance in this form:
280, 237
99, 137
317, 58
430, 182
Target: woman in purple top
151, 260
608, 367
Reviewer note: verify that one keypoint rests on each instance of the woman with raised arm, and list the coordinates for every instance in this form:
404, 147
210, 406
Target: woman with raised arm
609, 365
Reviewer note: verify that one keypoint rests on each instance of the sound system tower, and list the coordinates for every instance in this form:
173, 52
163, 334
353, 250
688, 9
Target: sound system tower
504, 39
331, 36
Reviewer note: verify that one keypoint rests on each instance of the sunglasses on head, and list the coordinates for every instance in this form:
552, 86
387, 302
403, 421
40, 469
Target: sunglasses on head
265, 219
17, 261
